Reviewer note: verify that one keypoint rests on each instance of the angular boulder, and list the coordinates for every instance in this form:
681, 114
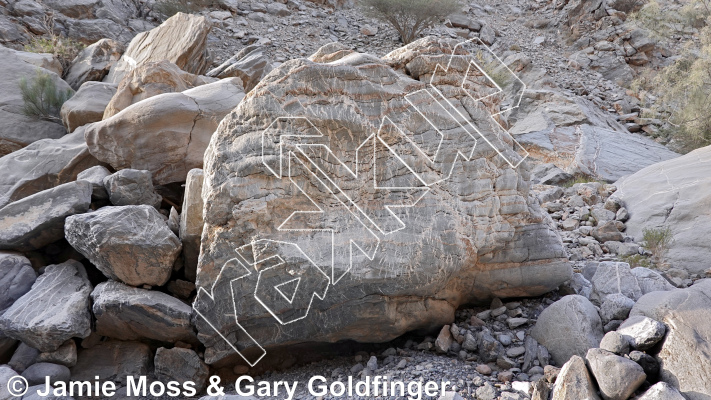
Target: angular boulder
46, 322
126, 313
113, 360
614, 278
95, 175
477, 236
16, 278
617, 377
661, 391
94, 62
165, 134
191, 221
250, 65
181, 365
87, 105
574, 382
38, 220
131, 244
130, 187
642, 332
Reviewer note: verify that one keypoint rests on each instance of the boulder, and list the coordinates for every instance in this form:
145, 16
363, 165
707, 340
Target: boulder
16, 129
87, 105
191, 221
615, 343
43, 165
181, 365
109, 239
42, 60
65, 355
617, 377
250, 64
127, 313
113, 360
661, 391
181, 39
642, 332
615, 306
347, 100
16, 278
648, 363
682, 187
614, 278
151, 79
568, 327
574, 382
36, 374
95, 175
130, 187
46, 322
549, 174
650, 281
166, 134
94, 62
607, 232
38, 220
23, 357
6, 373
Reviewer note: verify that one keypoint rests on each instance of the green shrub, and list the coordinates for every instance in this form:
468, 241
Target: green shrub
636, 260
64, 49
410, 17
42, 98
657, 241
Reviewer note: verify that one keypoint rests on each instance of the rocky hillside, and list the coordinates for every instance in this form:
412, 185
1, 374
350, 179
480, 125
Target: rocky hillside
282, 189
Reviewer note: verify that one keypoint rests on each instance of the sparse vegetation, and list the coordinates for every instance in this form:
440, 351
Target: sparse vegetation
410, 17
42, 98
168, 8
579, 178
637, 260
657, 241
64, 49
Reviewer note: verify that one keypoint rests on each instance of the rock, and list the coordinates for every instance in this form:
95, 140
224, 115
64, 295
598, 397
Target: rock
574, 382
46, 322
462, 21
180, 288
470, 343
622, 249
489, 348
130, 187
38, 220
615, 306
661, 391
95, 175
127, 313
173, 135
649, 365
109, 239
664, 209
642, 332
525, 258
181, 365
486, 392
16, 129
6, 373
37, 373
87, 105
191, 221
119, 359
549, 174
531, 346
483, 369
16, 278
615, 343
368, 30
487, 35
23, 357
568, 327
94, 62
250, 64
616, 376
606, 232
151, 79
444, 340
42, 60
614, 278
43, 165
181, 39
65, 355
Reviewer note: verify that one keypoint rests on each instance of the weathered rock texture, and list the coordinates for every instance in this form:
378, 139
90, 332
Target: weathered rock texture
191, 221
87, 105
166, 134
574, 382
16, 278
684, 354
674, 194
54, 310
130, 187
180, 39
181, 365
618, 377
250, 65
94, 62
113, 360
477, 235
131, 244
127, 313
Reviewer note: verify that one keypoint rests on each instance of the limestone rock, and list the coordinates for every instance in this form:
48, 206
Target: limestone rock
42, 60
130, 187
118, 359
65, 355
642, 332
109, 239
94, 62
16, 278
614, 277
38, 220
37, 373
95, 176
181, 365
617, 377
87, 105
191, 222
549, 174
650, 281
682, 188
661, 391
23, 357
615, 306
615, 343
574, 382
43, 165
347, 99
46, 322
127, 313
166, 134
250, 65
607, 232
5, 374
180, 39
568, 327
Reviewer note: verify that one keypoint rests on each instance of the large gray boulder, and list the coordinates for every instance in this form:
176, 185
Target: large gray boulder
44, 321
16, 278
642, 332
250, 65
131, 244
130, 187
574, 382
16, 129
684, 353
6, 373
614, 278
476, 235
127, 313
38, 220
570, 326
113, 360
617, 377
681, 187
43, 165
181, 365
94, 62
661, 391
87, 105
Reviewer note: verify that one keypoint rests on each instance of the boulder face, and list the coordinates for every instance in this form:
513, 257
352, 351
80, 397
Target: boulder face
250, 65
465, 231
669, 195
87, 105
94, 62
180, 39
16, 278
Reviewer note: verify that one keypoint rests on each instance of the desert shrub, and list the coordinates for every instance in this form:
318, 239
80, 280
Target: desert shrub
410, 17
64, 49
636, 260
168, 8
42, 99
657, 241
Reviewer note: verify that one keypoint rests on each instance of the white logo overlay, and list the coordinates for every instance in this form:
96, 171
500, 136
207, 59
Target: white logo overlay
294, 149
